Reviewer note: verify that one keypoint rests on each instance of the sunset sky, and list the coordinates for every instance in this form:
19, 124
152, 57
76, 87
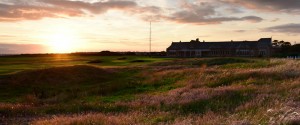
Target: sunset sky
58, 26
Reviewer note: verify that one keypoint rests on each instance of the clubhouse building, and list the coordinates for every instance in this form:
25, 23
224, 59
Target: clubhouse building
196, 48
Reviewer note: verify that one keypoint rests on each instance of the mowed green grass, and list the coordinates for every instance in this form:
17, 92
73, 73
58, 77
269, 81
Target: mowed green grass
15, 64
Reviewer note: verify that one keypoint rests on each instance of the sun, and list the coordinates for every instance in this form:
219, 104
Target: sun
63, 41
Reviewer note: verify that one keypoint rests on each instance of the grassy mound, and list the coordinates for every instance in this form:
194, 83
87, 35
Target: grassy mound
61, 75
95, 61
55, 84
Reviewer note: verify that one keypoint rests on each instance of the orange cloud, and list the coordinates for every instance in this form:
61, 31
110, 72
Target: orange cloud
286, 6
96, 8
22, 48
200, 13
57, 8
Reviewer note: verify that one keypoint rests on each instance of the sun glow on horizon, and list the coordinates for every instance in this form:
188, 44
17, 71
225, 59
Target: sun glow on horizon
63, 41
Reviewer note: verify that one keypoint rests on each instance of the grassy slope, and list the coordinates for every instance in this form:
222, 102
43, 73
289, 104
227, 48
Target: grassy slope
184, 91
10, 65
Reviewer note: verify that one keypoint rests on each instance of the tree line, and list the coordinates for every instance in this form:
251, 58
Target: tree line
284, 48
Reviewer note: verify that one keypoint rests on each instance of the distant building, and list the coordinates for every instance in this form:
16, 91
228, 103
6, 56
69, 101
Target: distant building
196, 48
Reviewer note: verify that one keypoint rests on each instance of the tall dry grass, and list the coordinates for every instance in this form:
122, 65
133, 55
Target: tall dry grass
129, 118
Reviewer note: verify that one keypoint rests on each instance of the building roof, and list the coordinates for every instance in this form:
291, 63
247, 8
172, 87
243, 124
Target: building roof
217, 45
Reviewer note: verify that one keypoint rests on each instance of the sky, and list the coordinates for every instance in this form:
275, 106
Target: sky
62, 26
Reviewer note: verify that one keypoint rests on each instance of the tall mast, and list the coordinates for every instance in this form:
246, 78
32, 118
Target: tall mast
150, 38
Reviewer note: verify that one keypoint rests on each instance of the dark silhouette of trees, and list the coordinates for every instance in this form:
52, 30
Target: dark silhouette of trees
286, 44
275, 43
283, 49
281, 43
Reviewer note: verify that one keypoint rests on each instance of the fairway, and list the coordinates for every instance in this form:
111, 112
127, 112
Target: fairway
15, 64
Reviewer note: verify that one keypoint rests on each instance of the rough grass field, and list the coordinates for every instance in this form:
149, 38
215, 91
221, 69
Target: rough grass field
142, 90
13, 64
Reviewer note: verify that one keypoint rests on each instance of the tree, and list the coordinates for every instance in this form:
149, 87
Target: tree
286, 44
275, 43
281, 43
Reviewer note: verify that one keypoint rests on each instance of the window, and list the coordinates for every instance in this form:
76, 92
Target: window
262, 53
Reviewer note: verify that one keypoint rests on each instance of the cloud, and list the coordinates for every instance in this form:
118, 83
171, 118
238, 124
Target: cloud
148, 13
233, 10
96, 7
291, 28
275, 20
253, 19
18, 10
205, 13
22, 48
33, 12
200, 13
240, 31
286, 6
